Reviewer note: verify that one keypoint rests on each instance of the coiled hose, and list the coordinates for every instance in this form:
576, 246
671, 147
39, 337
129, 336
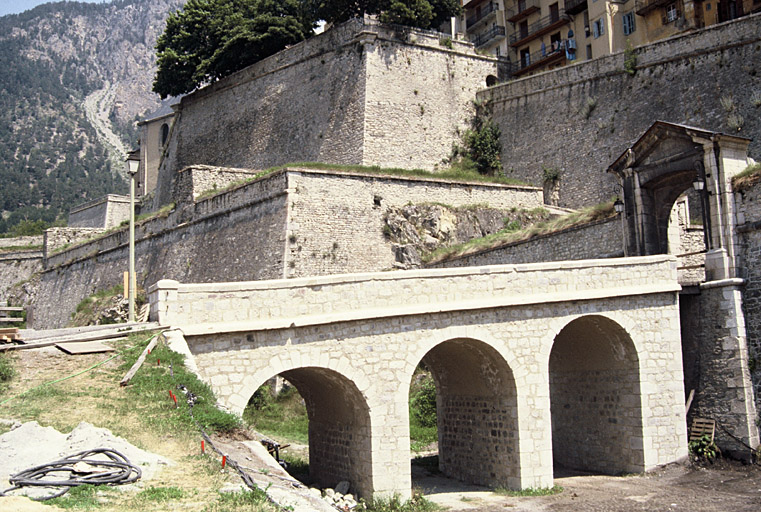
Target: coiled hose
75, 470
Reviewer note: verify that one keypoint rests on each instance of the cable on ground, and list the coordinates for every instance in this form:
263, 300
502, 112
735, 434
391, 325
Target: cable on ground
75, 470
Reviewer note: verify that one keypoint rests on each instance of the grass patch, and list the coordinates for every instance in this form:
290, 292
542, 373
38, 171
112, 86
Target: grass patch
747, 178
458, 172
159, 494
83, 497
395, 504
510, 235
530, 491
283, 416
252, 501
153, 382
15, 248
7, 370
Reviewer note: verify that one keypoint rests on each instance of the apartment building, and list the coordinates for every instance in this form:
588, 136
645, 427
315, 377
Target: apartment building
537, 35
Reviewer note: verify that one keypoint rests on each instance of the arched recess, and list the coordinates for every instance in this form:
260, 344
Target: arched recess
595, 398
339, 428
659, 197
477, 416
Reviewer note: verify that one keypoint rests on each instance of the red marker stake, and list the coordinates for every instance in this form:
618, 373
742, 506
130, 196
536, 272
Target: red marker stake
175, 401
158, 362
224, 461
203, 446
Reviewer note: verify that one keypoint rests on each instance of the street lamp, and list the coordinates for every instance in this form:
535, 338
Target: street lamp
133, 164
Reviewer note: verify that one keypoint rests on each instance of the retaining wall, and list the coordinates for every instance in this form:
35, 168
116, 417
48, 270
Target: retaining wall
601, 239
546, 121
356, 94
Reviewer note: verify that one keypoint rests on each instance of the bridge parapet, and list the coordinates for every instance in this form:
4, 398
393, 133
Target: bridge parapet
230, 307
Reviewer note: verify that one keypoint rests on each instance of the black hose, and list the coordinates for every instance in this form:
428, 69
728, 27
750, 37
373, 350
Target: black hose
117, 470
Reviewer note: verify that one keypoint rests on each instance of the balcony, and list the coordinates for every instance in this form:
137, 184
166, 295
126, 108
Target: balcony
539, 28
522, 9
489, 11
538, 60
495, 33
642, 7
575, 6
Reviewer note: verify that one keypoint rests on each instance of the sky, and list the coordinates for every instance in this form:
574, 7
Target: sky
17, 6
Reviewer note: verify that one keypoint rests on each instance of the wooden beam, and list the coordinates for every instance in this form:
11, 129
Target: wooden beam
135, 367
5, 348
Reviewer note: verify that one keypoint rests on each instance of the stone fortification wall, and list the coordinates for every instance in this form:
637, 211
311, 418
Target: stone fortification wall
336, 219
193, 181
17, 266
58, 238
600, 239
238, 235
345, 97
20, 241
104, 212
419, 93
580, 118
272, 303
290, 223
749, 229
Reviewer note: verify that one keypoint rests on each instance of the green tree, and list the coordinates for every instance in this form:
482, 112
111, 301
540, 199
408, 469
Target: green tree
209, 39
482, 141
415, 13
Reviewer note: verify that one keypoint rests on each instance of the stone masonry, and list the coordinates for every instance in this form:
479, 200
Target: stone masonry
343, 97
280, 225
505, 345
579, 118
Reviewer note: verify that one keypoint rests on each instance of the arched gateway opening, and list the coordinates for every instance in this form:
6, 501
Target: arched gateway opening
595, 398
476, 413
339, 428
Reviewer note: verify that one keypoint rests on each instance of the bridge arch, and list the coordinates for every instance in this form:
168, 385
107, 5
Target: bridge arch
477, 411
595, 397
340, 427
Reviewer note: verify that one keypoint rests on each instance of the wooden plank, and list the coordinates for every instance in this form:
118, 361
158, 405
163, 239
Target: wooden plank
11, 319
9, 330
85, 347
135, 367
701, 427
6, 348
10, 309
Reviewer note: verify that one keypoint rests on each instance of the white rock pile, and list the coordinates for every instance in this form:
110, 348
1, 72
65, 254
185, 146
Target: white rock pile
338, 497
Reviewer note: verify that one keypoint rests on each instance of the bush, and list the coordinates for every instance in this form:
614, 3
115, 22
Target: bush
423, 405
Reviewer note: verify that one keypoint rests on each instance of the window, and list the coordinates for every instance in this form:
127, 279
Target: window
525, 58
628, 23
554, 12
589, 52
598, 27
523, 28
586, 23
164, 134
671, 13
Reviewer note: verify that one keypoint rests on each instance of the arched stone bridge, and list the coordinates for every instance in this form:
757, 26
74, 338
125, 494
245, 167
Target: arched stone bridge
573, 363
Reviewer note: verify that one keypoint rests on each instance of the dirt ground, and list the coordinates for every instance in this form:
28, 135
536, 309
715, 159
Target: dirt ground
723, 486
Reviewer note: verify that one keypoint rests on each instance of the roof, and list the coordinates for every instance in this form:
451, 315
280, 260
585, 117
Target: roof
164, 110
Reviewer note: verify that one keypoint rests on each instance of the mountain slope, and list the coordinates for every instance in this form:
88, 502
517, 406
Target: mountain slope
78, 75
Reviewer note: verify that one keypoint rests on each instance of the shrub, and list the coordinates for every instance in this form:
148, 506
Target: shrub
7, 371
423, 404
630, 59
704, 449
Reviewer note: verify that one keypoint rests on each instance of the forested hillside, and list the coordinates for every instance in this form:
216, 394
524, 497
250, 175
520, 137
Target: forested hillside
76, 77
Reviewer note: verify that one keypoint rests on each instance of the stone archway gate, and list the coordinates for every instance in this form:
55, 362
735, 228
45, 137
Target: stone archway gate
359, 338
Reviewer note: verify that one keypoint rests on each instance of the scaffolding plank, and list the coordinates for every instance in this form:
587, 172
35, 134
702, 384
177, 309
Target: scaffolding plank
701, 427
85, 347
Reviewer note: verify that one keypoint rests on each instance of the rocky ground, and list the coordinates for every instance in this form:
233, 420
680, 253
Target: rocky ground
723, 486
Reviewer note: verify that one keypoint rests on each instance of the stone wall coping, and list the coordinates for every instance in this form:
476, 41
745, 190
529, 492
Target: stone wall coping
111, 198
421, 309
410, 274
394, 177
21, 255
721, 283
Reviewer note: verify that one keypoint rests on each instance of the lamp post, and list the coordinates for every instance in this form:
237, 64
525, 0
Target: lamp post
133, 164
